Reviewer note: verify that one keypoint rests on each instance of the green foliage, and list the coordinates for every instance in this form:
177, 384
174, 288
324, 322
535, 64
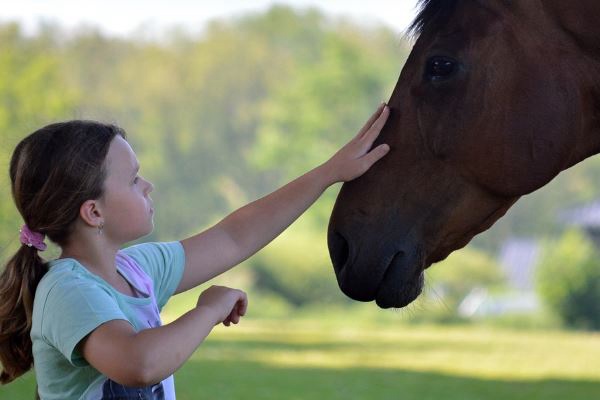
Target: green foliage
452, 279
326, 100
568, 280
296, 266
536, 214
33, 92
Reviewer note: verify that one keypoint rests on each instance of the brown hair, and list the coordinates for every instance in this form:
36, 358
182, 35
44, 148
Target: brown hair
52, 171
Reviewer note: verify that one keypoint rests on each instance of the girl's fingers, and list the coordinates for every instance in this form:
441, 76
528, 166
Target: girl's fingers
242, 304
235, 316
372, 133
371, 120
238, 311
230, 319
376, 154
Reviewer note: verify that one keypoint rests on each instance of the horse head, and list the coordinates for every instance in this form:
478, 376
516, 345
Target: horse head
496, 98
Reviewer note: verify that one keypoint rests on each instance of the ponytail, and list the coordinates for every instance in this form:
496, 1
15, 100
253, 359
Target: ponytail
18, 283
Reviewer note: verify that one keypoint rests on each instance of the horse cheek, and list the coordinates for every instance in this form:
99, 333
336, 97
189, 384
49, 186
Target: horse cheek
554, 141
534, 140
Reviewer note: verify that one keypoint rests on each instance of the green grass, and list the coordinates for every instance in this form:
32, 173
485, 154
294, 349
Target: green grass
341, 358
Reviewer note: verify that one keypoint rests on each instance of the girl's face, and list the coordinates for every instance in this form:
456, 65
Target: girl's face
126, 203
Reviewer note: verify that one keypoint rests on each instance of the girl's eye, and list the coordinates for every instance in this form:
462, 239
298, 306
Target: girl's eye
135, 180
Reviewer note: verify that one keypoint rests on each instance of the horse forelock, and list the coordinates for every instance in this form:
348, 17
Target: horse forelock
431, 12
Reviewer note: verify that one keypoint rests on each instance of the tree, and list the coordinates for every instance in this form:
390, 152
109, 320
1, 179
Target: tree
327, 99
296, 267
463, 271
568, 280
33, 92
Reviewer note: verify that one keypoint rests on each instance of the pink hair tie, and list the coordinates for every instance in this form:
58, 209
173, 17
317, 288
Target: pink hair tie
31, 238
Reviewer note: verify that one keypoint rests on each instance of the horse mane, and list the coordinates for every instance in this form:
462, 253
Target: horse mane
431, 12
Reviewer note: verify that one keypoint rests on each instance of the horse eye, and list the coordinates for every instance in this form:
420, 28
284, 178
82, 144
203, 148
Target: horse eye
440, 68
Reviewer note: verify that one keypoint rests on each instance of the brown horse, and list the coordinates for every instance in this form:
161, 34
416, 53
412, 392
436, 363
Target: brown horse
497, 97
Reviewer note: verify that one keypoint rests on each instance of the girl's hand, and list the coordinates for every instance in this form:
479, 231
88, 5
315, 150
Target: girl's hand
354, 159
226, 304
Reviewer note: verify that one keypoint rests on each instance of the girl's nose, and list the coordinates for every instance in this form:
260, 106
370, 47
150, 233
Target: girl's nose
150, 187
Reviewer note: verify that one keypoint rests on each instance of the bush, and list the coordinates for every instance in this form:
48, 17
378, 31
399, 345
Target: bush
568, 280
296, 266
464, 270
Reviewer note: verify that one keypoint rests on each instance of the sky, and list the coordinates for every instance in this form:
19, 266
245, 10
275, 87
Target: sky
125, 17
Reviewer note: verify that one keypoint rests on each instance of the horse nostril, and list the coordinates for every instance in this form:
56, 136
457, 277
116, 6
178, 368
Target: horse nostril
339, 250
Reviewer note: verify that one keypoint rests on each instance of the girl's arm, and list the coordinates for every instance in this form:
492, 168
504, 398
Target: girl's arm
250, 228
147, 357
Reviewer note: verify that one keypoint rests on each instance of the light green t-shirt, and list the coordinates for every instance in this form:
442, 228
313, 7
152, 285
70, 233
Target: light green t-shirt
70, 302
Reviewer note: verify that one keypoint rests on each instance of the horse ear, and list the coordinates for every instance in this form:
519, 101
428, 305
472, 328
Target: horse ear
580, 22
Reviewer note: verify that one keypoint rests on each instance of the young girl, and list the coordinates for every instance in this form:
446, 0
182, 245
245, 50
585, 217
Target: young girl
93, 329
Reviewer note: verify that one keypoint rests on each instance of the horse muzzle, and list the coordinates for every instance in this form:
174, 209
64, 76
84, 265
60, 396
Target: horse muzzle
391, 276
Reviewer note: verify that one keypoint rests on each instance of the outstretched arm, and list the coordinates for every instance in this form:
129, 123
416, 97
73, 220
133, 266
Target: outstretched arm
147, 357
250, 228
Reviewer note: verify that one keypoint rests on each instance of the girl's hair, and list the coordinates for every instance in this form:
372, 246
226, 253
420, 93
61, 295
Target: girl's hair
52, 172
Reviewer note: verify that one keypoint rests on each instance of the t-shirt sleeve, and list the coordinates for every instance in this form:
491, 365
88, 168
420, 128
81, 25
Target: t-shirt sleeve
164, 262
74, 307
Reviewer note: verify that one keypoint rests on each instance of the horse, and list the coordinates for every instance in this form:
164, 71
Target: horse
496, 98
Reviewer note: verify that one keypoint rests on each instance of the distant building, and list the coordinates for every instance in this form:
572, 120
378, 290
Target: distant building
518, 258
479, 303
587, 218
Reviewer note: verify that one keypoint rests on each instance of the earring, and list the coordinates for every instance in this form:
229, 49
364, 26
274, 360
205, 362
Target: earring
100, 227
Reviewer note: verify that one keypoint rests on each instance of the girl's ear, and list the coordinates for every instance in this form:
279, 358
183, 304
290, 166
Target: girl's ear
91, 213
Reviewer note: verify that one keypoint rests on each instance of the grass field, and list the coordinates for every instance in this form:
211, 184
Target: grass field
337, 359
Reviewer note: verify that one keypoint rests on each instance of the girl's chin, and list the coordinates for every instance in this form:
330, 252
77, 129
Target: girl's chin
149, 229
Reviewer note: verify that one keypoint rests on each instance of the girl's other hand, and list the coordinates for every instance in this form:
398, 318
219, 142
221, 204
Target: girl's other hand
354, 159
226, 304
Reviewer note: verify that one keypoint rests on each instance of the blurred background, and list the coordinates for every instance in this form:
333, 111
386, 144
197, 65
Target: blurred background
224, 102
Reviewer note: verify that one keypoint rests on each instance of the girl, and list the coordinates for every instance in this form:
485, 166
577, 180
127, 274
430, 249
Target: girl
93, 330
